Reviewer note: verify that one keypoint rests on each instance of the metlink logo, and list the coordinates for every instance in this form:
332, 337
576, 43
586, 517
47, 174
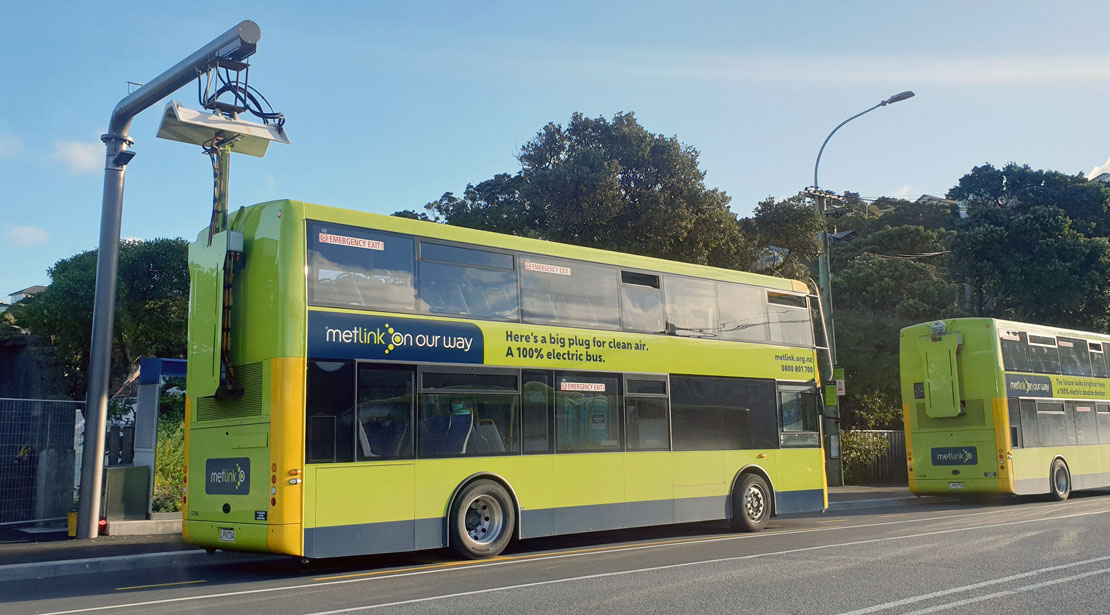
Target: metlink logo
236, 476
392, 339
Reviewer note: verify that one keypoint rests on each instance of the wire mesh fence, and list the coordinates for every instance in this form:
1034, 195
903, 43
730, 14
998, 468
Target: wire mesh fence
39, 453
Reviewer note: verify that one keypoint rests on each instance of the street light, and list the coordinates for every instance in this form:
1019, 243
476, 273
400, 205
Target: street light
823, 256
899, 97
237, 44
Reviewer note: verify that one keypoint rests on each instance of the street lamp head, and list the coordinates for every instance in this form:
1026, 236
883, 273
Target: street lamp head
899, 97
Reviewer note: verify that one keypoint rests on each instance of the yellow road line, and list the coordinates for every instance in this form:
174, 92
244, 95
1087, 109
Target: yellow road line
120, 589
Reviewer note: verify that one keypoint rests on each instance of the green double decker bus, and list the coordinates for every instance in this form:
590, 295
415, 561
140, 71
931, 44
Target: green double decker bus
993, 406
370, 384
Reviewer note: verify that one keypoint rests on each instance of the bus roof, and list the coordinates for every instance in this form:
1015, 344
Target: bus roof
1034, 328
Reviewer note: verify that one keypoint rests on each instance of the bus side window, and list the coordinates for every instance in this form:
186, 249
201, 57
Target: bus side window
641, 302
587, 413
1014, 407
1030, 437
1098, 360
647, 424
536, 407
1074, 357
1052, 423
691, 307
713, 413
1103, 416
1086, 431
330, 409
385, 407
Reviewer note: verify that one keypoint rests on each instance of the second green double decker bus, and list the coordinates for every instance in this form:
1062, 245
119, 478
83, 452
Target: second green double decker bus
994, 406
370, 384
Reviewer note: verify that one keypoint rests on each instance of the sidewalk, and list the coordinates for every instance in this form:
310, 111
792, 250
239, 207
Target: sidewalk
851, 497
31, 553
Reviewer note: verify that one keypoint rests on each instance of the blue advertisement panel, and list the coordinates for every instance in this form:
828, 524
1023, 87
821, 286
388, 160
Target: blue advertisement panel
334, 335
1024, 385
227, 476
955, 456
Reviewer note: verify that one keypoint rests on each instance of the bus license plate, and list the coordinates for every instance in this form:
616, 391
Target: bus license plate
955, 485
227, 534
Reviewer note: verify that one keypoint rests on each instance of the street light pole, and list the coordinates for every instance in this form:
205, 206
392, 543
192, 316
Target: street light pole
237, 43
823, 274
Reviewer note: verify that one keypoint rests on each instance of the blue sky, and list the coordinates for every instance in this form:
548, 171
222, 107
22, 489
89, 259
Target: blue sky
391, 104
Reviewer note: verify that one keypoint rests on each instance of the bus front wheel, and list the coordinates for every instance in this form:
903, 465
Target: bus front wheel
1060, 481
751, 504
482, 520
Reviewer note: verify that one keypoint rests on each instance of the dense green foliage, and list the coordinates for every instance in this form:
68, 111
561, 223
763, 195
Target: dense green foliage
152, 295
610, 185
169, 466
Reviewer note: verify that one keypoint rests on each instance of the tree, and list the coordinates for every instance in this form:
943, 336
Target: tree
1021, 188
606, 184
152, 295
790, 228
1018, 259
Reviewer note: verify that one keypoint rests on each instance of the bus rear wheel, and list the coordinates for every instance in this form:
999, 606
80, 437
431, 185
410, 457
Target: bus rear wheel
751, 504
482, 520
1059, 481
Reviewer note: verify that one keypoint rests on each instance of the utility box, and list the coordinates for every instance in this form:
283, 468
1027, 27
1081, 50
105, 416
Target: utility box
126, 493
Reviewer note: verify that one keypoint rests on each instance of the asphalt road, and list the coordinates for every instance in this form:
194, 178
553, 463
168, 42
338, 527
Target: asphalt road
1004, 555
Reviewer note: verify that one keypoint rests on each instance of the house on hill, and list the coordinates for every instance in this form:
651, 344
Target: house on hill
30, 291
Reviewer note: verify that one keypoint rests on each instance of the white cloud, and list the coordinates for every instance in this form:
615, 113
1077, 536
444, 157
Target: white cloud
28, 236
904, 192
79, 156
10, 145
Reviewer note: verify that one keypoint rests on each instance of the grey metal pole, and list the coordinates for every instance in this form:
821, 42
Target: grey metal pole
237, 43
824, 275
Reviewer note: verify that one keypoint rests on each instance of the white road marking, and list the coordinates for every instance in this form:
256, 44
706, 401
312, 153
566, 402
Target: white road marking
264, 590
603, 575
1027, 588
964, 588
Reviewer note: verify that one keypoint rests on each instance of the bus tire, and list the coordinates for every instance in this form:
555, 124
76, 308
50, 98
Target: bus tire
481, 520
751, 504
1059, 481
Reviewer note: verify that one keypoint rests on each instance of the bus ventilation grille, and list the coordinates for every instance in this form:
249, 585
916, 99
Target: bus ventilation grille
250, 404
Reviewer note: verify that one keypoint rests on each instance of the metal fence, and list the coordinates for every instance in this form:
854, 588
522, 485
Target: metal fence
891, 467
39, 440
